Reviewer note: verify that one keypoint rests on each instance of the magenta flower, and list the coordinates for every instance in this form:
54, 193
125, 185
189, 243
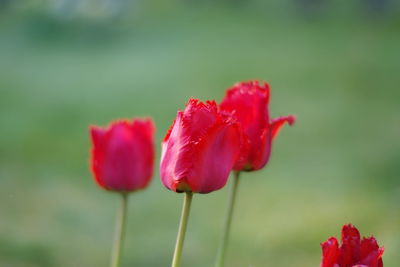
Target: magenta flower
123, 155
353, 252
200, 149
249, 103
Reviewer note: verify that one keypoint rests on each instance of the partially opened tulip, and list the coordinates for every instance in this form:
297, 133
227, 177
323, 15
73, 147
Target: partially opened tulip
122, 161
198, 153
248, 103
353, 252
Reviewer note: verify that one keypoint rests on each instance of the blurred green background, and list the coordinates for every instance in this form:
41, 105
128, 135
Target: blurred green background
67, 64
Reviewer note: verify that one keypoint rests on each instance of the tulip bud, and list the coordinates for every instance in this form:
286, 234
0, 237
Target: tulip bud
200, 149
123, 155
353, 252
248, 102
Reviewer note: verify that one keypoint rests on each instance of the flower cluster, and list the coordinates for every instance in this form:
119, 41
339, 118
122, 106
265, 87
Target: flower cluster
203, 145
205, 142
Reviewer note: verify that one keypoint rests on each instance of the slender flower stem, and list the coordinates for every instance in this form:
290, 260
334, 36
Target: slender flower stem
228, 221
119, 231
182, 229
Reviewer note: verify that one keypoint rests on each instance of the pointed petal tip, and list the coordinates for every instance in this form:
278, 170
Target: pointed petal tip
331, 240
291, 119
349, 228
146, 123
95, 128
96, 133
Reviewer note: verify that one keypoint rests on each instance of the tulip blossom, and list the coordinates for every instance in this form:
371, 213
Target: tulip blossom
123, 155
200, 149
353, 252
197, 156
248, 101
122, 161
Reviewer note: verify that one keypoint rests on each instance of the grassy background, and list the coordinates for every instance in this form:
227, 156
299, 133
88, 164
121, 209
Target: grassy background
338, 71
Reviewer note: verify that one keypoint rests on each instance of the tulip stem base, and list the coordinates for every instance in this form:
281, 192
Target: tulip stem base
182, 229
228, 221
119, 231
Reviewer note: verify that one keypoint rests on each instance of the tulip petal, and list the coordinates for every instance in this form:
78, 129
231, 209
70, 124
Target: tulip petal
143, 132
120, 163
176, 155
97, 152
371, 253
249, 101
214, 156
261, 156
350, 249
330, 252
277, 124
198, 117
97, 135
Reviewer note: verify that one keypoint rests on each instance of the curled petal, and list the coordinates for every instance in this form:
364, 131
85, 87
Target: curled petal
260, 156
277, 124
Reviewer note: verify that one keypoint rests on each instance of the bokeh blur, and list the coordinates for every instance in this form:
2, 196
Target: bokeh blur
66, 64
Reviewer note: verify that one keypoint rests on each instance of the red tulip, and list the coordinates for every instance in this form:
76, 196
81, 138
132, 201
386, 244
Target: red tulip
200, 149
248, 102
353, 252
123, 155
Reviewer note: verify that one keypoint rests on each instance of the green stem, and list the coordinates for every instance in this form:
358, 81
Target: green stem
182, 229
228, 221
119, 231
